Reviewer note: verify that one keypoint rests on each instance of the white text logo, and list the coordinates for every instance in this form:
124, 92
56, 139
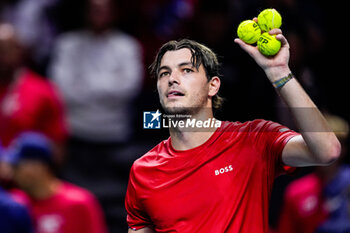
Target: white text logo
224, 170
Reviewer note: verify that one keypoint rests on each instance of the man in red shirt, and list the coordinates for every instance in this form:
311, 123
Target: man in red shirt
219, 179
304, 206
27, 100
56, 206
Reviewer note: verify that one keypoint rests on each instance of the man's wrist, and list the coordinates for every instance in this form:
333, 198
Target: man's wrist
278, 84
274, 74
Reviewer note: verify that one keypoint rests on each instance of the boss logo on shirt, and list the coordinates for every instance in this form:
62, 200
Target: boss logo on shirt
223, 170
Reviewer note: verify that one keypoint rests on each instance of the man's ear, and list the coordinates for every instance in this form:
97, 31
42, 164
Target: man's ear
214, 86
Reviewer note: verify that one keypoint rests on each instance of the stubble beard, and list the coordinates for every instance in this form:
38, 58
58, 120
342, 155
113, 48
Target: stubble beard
185, 110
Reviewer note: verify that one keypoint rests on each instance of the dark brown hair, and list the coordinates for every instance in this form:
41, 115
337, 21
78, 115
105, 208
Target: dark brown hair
201, 55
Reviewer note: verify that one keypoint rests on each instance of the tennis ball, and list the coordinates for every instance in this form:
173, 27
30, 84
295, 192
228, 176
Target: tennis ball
269, 19
268, 44
249, 31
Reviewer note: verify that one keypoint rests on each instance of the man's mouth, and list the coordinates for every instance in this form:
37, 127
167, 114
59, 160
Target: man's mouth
174, 93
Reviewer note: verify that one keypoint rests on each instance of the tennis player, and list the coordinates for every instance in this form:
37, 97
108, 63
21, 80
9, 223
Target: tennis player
220, 179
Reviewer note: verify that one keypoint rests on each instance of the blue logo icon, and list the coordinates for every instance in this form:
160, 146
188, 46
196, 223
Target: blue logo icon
151, 120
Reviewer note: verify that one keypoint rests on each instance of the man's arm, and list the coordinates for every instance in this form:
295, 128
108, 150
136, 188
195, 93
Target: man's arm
317, 144
143, 230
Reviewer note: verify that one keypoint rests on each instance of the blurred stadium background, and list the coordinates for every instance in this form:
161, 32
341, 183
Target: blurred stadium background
316, 30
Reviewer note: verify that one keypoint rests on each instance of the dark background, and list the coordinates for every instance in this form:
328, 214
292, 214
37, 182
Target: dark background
316, 30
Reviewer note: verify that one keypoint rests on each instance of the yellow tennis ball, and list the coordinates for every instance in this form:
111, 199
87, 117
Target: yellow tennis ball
249, 31
268, 44
269, 19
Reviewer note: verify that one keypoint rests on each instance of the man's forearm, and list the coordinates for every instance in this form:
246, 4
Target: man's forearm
319, 138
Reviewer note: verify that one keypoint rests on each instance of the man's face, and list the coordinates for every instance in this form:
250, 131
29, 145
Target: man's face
27, 172
100, 14
10, 56
181, 87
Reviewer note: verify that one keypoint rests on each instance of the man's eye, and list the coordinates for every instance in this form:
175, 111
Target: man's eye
163, 74
187, 70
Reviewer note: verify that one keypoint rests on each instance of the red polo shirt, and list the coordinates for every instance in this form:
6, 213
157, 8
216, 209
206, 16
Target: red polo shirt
223, 185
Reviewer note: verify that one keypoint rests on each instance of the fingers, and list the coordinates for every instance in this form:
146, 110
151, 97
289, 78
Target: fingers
246, 47
275, 31
252, 50
279, 36
283, 40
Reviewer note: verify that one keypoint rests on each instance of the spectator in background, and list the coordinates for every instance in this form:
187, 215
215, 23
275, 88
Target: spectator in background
320, 202
36, 26
14, 218
27, 100
99, 70
56, 206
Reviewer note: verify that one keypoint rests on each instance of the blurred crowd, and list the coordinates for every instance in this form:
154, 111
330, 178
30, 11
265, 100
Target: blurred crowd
74, 83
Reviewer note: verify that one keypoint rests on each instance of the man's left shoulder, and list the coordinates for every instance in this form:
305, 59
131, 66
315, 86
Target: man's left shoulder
75, 194
262, 125
36, 82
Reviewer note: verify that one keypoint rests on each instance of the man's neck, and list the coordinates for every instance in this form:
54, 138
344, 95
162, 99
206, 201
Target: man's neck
185, 138
6, 79
100, 31
45, 188
9, 77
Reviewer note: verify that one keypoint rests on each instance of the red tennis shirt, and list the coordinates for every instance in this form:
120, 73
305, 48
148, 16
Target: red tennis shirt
304, 206
223, 185
70, 210
31, 103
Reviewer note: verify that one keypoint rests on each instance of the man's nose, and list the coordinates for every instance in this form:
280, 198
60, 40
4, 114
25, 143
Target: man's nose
174, 78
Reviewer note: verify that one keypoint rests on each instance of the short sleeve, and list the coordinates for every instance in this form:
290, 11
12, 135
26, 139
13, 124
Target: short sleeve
282, 136
272, 138
137, 217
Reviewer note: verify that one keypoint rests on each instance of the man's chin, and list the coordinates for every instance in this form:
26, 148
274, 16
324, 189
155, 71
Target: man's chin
178, 110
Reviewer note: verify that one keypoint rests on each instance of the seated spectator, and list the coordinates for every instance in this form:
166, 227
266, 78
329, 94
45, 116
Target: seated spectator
99, 71
57, 206
320, 202
27, 100
14, 218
